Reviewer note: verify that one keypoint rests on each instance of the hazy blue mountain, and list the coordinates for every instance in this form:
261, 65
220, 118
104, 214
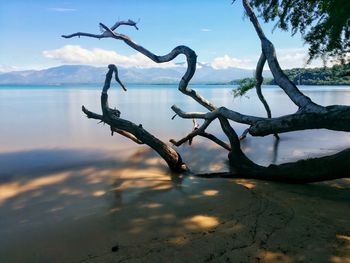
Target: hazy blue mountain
56, 75
88, 74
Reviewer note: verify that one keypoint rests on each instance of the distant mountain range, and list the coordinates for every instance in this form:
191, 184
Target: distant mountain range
70, 74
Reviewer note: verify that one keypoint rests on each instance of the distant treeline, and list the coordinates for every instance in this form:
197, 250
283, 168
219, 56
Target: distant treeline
336, 75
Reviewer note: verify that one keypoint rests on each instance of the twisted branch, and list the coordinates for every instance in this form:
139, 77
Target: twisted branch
131, 130
337, 118
303, 102
191, 59
259, 80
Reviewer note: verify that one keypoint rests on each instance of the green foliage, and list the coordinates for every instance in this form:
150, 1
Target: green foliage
337, 75
324, 24
244, 86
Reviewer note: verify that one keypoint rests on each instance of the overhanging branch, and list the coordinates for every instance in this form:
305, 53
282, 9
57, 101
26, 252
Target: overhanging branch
302, 101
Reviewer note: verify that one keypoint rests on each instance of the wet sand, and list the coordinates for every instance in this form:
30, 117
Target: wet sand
105, 206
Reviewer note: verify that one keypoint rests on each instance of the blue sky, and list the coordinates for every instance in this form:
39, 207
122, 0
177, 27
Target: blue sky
216, 30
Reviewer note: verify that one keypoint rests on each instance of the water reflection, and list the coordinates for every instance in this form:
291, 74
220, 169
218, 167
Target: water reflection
275, 151
40, 118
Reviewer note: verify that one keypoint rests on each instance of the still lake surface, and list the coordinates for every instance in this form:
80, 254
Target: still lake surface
34, 118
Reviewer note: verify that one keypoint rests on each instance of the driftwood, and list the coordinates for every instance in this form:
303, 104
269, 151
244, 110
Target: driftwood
309, 116
131, 130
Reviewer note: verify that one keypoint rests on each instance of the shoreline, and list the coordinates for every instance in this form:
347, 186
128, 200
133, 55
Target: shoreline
132, 209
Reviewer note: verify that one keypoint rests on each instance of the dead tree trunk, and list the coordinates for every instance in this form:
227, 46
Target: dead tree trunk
304, 171
309, 116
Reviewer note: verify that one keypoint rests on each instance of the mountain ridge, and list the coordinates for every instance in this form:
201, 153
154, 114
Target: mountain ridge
84, 74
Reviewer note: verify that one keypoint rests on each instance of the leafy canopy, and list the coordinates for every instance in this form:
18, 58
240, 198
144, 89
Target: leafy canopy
324, 24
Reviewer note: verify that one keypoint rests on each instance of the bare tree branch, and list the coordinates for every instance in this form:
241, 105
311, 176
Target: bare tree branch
104, 34
191, 58
128, 22
337, 118
328, 168
303, 102
132, 131
259, 80
127, 135
216, 140
201, 133
191, 135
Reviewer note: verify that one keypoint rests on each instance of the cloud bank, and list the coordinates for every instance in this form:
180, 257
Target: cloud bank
230, 62
68, 54
96, 56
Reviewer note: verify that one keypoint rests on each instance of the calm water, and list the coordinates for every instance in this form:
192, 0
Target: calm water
42, 117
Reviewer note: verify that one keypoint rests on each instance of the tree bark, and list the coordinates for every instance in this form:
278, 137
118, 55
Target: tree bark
259, 80
131, 130
336, 117
303, 102
304, 171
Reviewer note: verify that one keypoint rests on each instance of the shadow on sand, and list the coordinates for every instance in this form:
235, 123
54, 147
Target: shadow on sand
75, 206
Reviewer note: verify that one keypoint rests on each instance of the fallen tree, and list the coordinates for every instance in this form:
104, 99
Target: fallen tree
309, 116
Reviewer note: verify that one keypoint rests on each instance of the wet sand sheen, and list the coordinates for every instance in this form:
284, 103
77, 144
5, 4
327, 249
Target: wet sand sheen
131, 209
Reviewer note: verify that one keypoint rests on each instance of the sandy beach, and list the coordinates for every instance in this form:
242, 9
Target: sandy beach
99, 207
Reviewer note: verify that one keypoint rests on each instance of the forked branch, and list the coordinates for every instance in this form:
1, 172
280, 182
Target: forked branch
191, 59
303, 102
131, 130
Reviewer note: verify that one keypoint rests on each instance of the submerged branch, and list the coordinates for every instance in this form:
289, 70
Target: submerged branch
304, 171
216, 140
259, 80
131, 130
336, 117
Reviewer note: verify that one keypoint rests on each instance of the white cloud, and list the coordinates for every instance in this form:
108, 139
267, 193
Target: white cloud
297, 58
62, 9
292, 57
205, 30
97, 56
229, 62
287, 58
